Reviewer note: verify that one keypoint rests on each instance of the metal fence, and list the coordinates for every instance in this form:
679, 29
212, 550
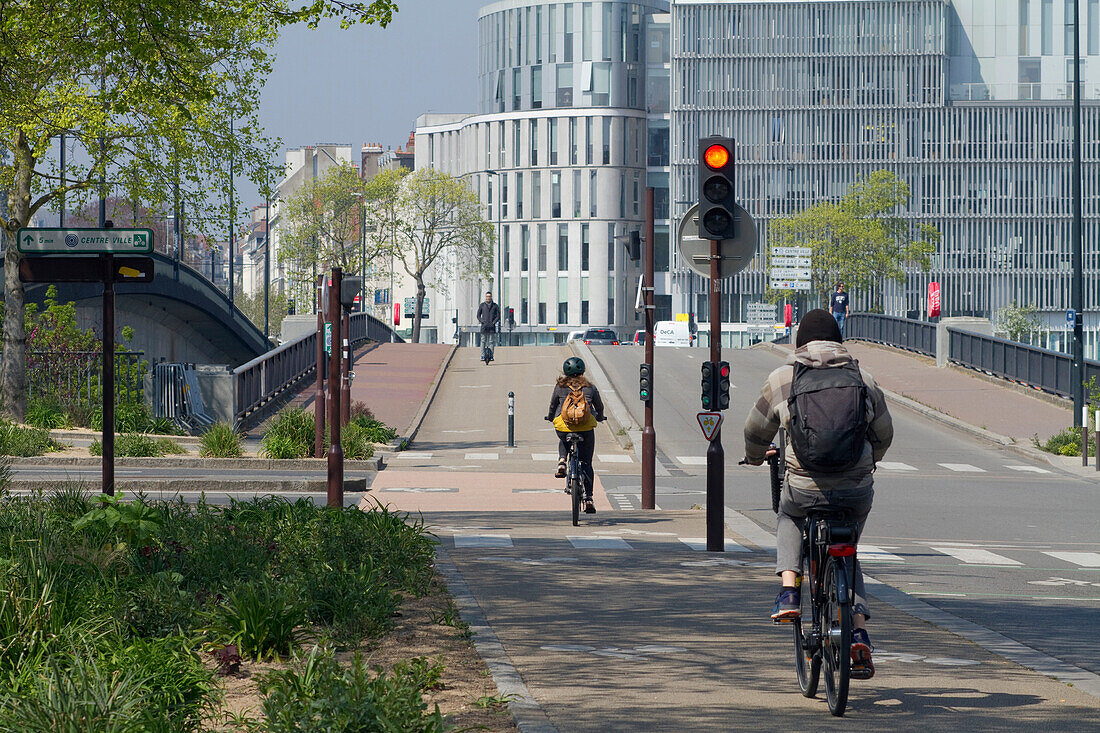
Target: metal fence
176, 395
270, 375
73, 379
1050, 371
918, 336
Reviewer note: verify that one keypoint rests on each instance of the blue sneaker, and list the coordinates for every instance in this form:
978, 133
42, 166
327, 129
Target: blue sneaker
788, 605
862, 666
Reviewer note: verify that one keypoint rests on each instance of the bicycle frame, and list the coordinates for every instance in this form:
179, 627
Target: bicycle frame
574, 474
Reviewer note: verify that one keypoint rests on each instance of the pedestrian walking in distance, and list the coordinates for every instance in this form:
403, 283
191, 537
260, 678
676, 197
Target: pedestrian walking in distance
488, 315
838, 304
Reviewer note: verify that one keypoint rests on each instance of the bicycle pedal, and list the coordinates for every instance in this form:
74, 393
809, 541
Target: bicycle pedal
785, 620
861, 673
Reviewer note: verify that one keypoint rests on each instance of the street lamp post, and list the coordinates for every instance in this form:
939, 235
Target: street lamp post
1077, 246
500, 205
267, 263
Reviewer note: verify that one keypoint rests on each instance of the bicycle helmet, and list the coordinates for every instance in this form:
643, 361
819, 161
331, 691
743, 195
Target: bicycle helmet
573, 366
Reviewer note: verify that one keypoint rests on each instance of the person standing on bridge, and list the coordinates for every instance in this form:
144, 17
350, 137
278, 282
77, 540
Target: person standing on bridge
575, 393
488, 315
842, 428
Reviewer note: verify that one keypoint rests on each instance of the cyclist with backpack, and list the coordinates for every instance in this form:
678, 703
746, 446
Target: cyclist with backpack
576, 407
837, 428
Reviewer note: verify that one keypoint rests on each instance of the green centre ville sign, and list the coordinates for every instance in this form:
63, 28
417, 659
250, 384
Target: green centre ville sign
85, 241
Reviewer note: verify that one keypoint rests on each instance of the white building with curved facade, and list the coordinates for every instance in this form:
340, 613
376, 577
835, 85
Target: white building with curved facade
558, 154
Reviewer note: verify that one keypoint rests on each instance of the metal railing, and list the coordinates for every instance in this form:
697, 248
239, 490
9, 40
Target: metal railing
270, 375
176, 395
73, 378
1050, 371
918, 336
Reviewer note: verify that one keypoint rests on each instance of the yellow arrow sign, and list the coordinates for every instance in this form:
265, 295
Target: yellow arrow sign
129, 272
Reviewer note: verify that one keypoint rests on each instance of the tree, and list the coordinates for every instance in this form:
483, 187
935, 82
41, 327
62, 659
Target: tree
438, 215
252, 305
862, 239
323, 226
1018, 320
151, 95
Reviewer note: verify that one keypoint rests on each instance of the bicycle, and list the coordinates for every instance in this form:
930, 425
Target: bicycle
828, 578
574, 474
487, 347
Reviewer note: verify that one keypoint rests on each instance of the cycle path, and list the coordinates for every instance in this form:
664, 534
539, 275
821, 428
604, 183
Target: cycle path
620, 625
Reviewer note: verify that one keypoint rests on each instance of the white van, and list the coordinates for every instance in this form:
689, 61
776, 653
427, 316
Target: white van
671, 333
574, 336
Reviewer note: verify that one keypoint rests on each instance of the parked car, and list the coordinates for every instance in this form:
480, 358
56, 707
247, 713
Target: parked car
672, 333
574, 336
600, 337
639, 338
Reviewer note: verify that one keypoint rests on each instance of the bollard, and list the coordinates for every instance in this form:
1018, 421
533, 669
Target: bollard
1085, 435
1096, 435
511, 419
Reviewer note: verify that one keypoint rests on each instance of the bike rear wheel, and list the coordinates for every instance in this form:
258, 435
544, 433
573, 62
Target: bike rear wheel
836, 643
807, 652
575, 490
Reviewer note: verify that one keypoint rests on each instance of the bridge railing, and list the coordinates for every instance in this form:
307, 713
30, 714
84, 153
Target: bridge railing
903, 333
271, 375
73, 378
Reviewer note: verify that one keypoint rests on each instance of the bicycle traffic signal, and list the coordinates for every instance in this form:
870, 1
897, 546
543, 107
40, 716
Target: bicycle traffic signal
717, 207
723, 401
645, 381
708, 396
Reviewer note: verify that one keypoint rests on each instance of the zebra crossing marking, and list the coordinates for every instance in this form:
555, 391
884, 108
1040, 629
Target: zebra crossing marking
544, 456
871, 553
699, 544
895, 466
599, 543
1027, 469
422, 455
692, 460
975, 556
961, 467
614, 459
483, 540
1084, 559
482, 456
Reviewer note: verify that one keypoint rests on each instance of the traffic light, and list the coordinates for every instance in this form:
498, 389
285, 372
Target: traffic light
717, 207
635, 247
723, 385
350, 287
511, 318
708, 395
645, 381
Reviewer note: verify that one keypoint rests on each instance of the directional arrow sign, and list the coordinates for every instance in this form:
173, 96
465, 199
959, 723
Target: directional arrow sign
709, 422
789, 273
790, 261
85, 241
791, 251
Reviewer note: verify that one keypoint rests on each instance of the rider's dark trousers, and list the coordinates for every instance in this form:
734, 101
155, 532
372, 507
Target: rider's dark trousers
587, 448
793, 506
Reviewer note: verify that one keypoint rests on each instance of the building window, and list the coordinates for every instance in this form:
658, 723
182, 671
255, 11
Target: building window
553, 141
601, 84
607, 32
622, 196
515, 142
563, 313
505, 248
592, 194
588, 141
611, 247
536, 195
1047, 27
504, 196
536, 87
555, 195
584, 312
637, 198
586, 32
553, 12
606, 141
533, 134
576, 194
525, 249
519, 195
565, 85
542, 248
517, 88
542, 314
1094, 28
523, 310
503, 146
572, 141
568, 55
584, 247
563, 247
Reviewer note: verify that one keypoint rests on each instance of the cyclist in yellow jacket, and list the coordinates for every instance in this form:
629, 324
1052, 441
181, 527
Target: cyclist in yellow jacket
573, 378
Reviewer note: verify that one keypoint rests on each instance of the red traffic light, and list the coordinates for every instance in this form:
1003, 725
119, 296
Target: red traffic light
724, 369
716, 156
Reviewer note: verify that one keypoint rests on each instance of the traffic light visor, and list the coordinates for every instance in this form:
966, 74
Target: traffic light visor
716, 156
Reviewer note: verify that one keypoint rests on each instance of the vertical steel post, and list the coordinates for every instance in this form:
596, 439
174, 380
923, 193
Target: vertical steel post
1085, 436
1096, 437
511, 419
1077, 244
319, 388
232, 220
107, 385
345, 359
64, 182
716, 463
335, 451
267, 264
649, 434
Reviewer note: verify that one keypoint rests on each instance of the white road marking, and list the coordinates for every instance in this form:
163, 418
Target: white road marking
895, 466
474, 386
536, 491
692, 460
544, 456
599, 543
421, 455
1028, 469
972, 556
962, 468
614, 459
416, 490
472, 430
870, 553
482, 540
1084, 559
482, 456
699, 544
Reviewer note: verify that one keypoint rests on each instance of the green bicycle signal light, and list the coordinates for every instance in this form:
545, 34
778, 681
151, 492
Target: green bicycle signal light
708, 384
645, 382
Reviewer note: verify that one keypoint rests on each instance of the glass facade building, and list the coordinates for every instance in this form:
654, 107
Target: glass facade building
558, 154
966, 101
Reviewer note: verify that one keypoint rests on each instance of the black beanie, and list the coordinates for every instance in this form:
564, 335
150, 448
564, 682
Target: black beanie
817, 325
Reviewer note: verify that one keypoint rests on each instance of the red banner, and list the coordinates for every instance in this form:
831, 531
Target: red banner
933, 300
397, 314
788, 315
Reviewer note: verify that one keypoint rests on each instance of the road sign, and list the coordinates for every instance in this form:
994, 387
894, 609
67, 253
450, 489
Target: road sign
1071, 318
760, 314
801, 285
85, 269
410, 307
775, 261
328, 338
791, 251
709, 422
735, 254
789, 273
85, 241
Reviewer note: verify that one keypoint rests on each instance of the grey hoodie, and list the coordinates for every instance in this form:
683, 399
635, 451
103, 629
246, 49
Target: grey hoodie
771, 411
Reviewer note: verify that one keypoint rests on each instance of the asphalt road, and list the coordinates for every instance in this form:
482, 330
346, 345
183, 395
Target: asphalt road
979, 532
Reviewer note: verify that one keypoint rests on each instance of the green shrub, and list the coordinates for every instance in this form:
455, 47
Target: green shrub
1065, 443
46, 415
263, 619
137, 445
169, 447
132, 417
220, 441
163, 426
319, 694
356, 443
127, 522
351, 599
176, 684
22, 441
375, 430
290, 435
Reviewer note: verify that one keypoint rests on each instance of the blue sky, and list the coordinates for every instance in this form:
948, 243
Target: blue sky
367, 84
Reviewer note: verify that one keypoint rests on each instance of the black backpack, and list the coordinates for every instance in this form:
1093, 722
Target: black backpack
828, 417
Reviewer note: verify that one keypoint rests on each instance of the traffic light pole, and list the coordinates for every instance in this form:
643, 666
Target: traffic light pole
649, 434
335, 451
716, 460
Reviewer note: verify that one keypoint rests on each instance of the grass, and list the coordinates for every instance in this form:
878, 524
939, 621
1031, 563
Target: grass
24, 441
1064, 443
220, 441
290, 436
108, 605
137, 445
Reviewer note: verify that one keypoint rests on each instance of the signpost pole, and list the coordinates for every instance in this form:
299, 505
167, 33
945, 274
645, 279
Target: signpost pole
716, 468
319, 387
345, 384
107, 386
649, 434
335, 451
